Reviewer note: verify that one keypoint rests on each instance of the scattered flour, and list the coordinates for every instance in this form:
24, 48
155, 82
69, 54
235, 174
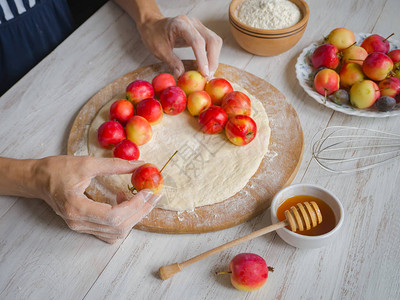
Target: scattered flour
268, 14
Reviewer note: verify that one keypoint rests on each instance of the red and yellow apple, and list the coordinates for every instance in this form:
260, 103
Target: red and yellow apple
377, 66
147, 176
217, 88
150, 109
213, 120
355, 54
241, 130
121, 111
248, 271
325, 55
127, 150
326, 82
376, 43
138, 90
197, 102
138, 130
364, 94
350, 73
191, 81
110, 133
173, 100
341, 38
236, 103
162, 81
394, 55
390, 87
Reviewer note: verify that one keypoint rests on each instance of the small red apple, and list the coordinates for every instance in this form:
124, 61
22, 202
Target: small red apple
341, 38
121, 110
138, 130
390, 87
191, 81
198, 102
149, 177
162, 81
213, 120
325, 56
326, 82
376, 43
173, 100
150, 109
355, 54
350, 73
248, 271
217, 88
127, 150
377, 66
138, 90
110, 133
394, 55
241, 130
236, 103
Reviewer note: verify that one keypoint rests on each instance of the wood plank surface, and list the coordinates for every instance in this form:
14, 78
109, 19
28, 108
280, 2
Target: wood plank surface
41, 258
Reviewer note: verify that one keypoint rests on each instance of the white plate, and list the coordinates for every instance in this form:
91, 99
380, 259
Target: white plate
305, 74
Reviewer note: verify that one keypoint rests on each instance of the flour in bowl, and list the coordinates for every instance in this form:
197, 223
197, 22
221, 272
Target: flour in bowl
268, 14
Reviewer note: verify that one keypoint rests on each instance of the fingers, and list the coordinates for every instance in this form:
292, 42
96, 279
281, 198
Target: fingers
113, 223
213, 45
110, 166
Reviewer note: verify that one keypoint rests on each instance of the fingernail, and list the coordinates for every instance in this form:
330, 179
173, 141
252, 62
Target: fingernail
207, 71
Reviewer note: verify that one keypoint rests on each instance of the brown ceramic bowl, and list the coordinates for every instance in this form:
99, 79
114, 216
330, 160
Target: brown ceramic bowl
265, 42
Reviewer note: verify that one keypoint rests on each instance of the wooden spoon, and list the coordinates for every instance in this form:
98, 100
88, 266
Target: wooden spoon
304, 217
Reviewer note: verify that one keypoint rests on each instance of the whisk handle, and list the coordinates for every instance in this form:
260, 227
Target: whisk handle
170, 270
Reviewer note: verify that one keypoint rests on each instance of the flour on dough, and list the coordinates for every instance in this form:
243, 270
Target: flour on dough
207, 168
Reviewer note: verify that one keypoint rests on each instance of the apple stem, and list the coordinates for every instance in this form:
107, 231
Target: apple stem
355, 59
221, 273
388, 37
325, 96
348, 47
168, 160
271, 269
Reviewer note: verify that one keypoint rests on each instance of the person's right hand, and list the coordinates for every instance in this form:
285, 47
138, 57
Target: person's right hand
161, 35
65, 181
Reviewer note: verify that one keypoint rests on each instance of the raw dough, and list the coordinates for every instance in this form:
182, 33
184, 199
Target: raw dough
207, 168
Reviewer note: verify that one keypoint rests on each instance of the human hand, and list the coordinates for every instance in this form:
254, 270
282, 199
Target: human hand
161, 35
64, 180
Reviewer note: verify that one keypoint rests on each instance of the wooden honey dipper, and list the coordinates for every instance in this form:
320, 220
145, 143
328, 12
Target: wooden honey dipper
306, 216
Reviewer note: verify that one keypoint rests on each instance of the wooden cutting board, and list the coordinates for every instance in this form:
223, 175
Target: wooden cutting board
277, 169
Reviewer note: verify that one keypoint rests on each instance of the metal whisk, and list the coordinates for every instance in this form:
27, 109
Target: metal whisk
343, 149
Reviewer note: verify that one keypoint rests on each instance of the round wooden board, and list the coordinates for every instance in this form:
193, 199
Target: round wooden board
277, 169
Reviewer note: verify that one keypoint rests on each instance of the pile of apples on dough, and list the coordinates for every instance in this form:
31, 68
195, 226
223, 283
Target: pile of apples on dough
363, 76
151, 123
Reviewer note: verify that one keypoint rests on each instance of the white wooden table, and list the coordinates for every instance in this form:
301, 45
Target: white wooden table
40, 258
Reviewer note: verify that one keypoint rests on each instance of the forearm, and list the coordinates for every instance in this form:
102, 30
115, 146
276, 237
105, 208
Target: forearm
17, 177
141, 11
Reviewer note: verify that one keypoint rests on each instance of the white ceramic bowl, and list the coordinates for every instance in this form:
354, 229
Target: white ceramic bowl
303, 241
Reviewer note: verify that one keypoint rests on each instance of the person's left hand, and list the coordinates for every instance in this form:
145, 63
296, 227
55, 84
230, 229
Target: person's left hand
161, 35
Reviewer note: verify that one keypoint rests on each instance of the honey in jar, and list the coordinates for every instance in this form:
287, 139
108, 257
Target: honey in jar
328, 216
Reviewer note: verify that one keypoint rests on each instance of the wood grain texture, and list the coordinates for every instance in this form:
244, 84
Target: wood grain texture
41, 258
277, 169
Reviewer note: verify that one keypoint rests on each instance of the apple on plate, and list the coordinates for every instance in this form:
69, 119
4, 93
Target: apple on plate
138, 90
151, 110
213, 120
173, 100
377, 66
162, 81
110, 133
364, 94
236, 103
350, 73
376, 43
138, 130
355, 54
325, 55
191, 81
217, 88
121, 110
341, 38
198, 102
240, 130
127, 150
326, 82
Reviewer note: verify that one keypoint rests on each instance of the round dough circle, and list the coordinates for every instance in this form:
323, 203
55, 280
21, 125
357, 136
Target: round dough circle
207, 168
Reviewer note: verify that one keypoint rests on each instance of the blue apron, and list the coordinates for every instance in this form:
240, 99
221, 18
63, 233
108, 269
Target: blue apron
30, 36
